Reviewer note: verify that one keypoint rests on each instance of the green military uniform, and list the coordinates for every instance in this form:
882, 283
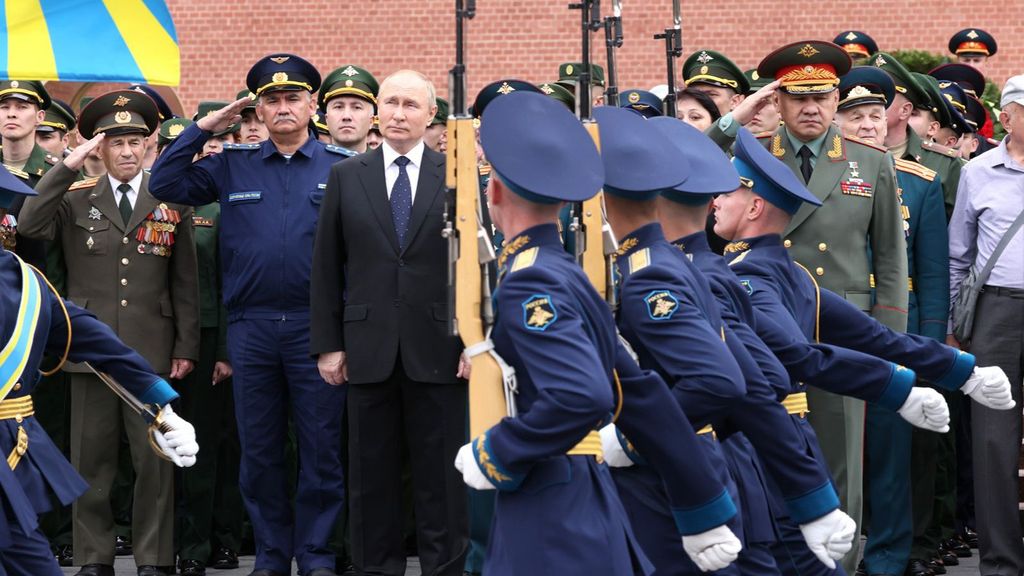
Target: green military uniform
945, 161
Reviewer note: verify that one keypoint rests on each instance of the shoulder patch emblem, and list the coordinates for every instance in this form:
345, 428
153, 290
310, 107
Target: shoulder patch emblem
639, 260
525, 259
747, 286
539, 312
81, 184
661, 304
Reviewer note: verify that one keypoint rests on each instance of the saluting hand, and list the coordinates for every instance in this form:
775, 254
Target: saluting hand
751, 105
219, 120
76, 158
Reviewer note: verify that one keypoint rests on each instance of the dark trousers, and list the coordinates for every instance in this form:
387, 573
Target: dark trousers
273, 372
52, 400
211, 508
887, 482
998, 341
28, 555
432, 419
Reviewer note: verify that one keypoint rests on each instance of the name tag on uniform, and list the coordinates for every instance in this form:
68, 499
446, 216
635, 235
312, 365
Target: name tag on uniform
856, 187
200, 221
322, 186
241, 197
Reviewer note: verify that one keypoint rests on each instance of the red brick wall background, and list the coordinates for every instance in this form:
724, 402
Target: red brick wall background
527, 39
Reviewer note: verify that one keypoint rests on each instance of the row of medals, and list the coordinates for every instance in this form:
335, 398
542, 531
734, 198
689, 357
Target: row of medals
156, 234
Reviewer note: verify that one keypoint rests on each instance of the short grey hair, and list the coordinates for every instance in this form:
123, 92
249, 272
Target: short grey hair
431, 92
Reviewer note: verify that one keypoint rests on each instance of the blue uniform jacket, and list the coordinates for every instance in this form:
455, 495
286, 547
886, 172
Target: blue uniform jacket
43, 470
559, 335
669, 314
269, 210
786, 291
927, 252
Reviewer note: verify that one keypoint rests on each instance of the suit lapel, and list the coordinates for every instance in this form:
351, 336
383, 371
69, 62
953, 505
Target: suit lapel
375, 187
102, 197
427, 188
144, 204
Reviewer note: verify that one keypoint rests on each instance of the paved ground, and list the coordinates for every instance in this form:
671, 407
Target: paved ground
125, 567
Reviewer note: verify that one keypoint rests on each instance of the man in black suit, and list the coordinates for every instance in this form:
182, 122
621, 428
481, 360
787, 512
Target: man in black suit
379, 323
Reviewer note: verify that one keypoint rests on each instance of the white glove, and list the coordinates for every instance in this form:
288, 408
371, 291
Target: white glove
472, 475
926, 408
614, 455
179, 444
714, 549
989, 386
830, 537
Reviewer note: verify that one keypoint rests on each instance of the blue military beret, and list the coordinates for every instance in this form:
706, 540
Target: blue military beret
710, 171
642, 102
639, 162
539, 150
768, 177
11, 186
282, 72
866, 85
161, 104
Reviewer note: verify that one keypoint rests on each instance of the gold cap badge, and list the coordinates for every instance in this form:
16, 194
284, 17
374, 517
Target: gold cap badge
14, 84
350, 71
123, 117
568, 70
807, 51
634, 97
280, 59
175, 130
279, 77
505, 88
972, 35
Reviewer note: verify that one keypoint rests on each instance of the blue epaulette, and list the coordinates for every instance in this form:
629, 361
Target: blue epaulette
340, 150
242, 146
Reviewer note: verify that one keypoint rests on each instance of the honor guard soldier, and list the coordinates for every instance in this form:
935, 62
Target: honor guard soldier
348, 98
270, 195
666, 307
973, 46
857, 44
38, 321
547, 462
568, 76
52, 132
560, 93
252, 130
717, 76
131, 261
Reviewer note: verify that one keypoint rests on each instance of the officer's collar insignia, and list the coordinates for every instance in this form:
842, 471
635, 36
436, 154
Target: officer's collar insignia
121, 101
627, 245
539, 312
279, 59
680, 246
747, 286
704, 57
807, 51
511, 248
94, 213
350, 71
851, 36
837, 148
661, 304
879, 61
505, 89
733, 247
972, 35
777, 150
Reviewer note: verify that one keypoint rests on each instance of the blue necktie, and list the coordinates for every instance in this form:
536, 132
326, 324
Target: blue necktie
401, 200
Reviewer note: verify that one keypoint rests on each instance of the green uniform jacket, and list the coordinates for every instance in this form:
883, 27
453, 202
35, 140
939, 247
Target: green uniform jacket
205, 222
151, 301
946, 162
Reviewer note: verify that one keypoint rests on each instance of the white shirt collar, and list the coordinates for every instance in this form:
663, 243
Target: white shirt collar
415, 155
135, 183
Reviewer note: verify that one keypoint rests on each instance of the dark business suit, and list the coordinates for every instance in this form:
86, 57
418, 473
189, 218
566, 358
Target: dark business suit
384, 305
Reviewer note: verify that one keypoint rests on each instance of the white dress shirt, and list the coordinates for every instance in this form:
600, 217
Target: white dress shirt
133, 194
391, 169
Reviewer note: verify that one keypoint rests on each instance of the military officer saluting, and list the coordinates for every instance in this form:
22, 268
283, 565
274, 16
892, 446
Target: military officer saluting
559, 335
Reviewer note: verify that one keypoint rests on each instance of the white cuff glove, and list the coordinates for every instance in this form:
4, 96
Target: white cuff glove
614, 455
926, 408
714, 549
830, 537
989, 386
472, 475
179, 444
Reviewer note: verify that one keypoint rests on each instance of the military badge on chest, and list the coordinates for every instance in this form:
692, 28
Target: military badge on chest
8, 230
854, 185
156, 233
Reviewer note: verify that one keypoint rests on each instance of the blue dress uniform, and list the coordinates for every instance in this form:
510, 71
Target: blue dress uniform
269, 210
33, 322
559, 336
714, 378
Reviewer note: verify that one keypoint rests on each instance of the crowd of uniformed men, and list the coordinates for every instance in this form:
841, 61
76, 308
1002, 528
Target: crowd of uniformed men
774, 381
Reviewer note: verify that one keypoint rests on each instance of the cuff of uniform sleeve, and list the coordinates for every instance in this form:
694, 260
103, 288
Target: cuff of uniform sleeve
159, 393
959, 372
629, 449
491, 466
728, 126
714, 513
901, 381
813, 505
194, 137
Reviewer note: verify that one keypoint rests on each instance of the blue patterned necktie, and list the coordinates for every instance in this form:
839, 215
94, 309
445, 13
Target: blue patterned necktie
401, 200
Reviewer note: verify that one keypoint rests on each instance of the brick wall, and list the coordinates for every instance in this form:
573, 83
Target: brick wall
529, 38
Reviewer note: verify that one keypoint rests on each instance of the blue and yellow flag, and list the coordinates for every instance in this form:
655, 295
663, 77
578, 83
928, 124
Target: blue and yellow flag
89, 41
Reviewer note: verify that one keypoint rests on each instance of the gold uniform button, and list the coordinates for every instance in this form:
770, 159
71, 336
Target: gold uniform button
124, 303
819, 271
124, 261
787, 243
124, 240
124, 281
17, 385
822, 247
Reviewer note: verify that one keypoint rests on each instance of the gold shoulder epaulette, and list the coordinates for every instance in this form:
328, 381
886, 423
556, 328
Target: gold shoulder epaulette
939, 148
485, 169
82, 184
911, 167
866, 143
524, 259
639, 260
19, 173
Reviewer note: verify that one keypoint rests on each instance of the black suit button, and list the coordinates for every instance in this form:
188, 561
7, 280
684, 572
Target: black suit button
401, 263
396, 302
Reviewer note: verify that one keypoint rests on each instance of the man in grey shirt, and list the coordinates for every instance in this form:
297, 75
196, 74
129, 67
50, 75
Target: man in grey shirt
989, 199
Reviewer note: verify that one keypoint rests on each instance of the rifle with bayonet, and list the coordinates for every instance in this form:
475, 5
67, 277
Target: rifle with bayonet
470, 251
612, 41
595, 244
673, 38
